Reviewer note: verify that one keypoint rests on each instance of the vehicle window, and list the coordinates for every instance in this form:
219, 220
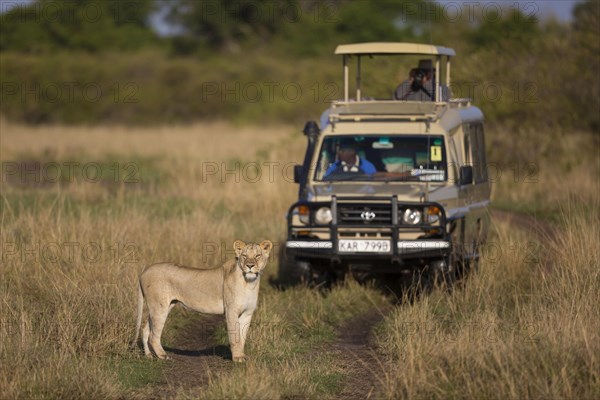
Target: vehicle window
475, 151
481, 175
468, 145
382, 157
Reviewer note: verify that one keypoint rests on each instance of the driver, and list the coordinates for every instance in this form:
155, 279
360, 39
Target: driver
349, 161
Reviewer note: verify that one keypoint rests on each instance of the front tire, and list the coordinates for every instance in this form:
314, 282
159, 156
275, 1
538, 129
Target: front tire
291, 271
295, 272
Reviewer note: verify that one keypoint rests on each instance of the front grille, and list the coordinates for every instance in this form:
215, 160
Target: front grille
351, 214
377, 233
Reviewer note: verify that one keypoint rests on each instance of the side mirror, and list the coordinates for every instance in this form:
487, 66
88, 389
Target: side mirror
466, 175
311, 129
297, 173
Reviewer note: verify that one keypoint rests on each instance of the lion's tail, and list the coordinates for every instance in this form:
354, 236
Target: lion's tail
140, 311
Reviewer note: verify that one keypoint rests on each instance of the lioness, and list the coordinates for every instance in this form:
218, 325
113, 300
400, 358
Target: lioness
231, 289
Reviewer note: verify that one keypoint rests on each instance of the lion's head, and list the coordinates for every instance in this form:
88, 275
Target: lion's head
252, 258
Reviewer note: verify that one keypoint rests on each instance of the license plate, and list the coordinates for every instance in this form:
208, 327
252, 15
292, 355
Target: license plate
364, 246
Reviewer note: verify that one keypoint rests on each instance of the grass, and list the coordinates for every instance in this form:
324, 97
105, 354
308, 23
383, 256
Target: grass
134, 373
71, 253
544, 173
289, 344
516, 329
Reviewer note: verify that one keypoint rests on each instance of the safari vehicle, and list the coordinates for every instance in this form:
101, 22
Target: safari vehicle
414, 195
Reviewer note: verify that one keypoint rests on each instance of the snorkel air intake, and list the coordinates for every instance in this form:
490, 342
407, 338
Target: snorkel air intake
311, 131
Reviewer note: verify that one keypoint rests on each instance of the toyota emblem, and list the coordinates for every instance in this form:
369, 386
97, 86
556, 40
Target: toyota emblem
368, 216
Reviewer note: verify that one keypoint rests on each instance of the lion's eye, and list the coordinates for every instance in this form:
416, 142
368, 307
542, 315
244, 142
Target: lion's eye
258, 257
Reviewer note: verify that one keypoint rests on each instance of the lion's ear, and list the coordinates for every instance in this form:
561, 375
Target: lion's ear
238, 246
266, 245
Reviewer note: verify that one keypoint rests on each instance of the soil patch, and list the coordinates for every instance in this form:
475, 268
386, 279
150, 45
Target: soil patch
194, 356
357, 354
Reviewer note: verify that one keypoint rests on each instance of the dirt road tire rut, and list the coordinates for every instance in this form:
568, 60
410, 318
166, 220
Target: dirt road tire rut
358, 356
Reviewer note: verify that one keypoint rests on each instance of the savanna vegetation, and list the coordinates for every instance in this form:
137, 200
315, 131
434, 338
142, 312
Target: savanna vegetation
164, 163
257, 61
524, 325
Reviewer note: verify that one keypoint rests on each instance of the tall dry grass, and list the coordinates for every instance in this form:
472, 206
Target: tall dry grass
525, 326
72, 250
545, 172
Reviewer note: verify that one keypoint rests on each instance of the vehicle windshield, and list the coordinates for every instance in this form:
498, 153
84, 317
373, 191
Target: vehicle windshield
382, 158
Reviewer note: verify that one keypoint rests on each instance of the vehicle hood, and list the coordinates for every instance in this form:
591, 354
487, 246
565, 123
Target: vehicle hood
406, 191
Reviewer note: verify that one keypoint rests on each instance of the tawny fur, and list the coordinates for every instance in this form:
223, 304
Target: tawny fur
231, 289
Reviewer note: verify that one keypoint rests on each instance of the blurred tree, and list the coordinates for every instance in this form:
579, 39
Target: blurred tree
586, 21
308, 27
77, 25
228, 23
507, 26
506, 53
366, 21
585, 48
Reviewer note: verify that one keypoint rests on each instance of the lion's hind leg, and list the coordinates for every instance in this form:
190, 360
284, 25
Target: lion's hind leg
158, 314
145, 337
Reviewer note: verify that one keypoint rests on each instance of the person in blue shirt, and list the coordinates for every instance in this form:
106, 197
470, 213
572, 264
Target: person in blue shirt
349, 161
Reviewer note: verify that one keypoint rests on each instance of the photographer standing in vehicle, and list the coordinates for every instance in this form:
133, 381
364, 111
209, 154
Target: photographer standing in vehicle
420, 86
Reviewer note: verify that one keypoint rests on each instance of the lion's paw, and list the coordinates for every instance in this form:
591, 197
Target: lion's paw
240, 359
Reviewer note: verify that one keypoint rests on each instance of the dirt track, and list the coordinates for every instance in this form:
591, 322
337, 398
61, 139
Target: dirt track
358, 356
193, 356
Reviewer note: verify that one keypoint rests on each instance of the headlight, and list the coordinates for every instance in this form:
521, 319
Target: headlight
323, 216
433, 215
412, 217
303, 214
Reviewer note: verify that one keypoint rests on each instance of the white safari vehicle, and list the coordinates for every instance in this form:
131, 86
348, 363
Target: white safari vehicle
395, 185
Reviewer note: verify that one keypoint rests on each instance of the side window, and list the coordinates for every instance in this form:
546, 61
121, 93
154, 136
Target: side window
475, 151
454, 156
481, 175
468, 144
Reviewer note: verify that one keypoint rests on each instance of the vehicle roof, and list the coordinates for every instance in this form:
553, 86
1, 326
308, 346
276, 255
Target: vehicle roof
394, 48
399, 115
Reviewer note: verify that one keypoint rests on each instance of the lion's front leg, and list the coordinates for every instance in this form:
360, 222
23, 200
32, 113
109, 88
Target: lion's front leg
245, 320
237, 329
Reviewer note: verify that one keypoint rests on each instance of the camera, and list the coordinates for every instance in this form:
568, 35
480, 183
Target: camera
417, 83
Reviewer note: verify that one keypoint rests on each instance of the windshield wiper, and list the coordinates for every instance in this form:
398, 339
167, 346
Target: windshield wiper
402, 178
349, 178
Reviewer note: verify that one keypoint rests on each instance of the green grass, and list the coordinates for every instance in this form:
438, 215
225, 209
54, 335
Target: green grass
136, 373
146, 88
